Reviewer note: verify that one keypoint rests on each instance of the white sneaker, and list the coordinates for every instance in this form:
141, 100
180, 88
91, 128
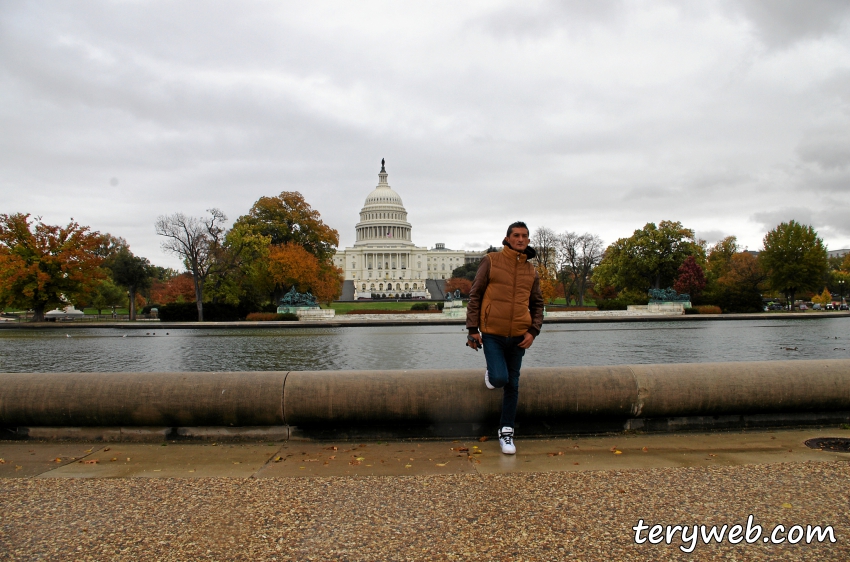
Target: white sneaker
487, 380
506, 440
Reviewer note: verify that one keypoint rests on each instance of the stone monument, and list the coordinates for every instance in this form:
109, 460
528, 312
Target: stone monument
453, 307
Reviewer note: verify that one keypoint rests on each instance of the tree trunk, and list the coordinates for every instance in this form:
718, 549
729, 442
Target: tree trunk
132, 307
199, 299
38, 314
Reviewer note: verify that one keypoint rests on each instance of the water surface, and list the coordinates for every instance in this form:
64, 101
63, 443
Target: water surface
414, 347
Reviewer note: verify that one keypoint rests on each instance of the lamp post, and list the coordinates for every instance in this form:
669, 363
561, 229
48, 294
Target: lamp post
841, 290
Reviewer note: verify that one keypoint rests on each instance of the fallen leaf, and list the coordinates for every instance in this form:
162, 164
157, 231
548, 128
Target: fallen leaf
787, 506
17, 467
613, 449
311, 460
354, 463
302, 467
460, 449
2, 461
57, 459
443, 464
92, 461
478, 452
332, 457
575, 463
475, 446
107, 448
483, 439
238, 462
618, 452
408, 465
364, 458
645, 450
559, 453
621, 491
278, 459
128, 459
575, 446
113, 459
333, 448
88, 450
192, 470
711, 455
157, 470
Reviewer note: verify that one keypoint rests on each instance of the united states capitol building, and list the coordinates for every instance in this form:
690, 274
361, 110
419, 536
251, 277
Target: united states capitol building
384, 262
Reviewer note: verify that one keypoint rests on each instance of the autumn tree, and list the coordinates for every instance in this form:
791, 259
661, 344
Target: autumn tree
288, 218
691, 279
740, 287
178, 288
467, 270
455, 283
794, 259
824, 298
290, 265
43, 266
197, 241
650, 258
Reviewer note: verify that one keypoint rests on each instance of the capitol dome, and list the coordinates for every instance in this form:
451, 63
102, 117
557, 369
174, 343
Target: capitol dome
383, 218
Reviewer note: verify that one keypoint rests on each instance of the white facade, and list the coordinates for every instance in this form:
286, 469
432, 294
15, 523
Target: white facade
384, 260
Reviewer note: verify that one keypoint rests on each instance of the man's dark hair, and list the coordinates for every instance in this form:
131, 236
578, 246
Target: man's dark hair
517, 224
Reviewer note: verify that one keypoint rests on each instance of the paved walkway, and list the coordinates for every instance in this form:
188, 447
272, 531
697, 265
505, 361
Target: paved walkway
419, 500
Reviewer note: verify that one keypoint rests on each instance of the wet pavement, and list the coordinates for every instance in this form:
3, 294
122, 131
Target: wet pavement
270, 459
557, 499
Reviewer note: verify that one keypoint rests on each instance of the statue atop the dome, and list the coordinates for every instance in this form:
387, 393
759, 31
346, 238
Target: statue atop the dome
382, 165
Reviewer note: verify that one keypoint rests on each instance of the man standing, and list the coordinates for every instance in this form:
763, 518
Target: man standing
504, 315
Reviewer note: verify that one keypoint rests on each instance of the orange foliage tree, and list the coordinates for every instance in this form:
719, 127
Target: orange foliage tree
454, 283
177, 289
290, 265
42, 266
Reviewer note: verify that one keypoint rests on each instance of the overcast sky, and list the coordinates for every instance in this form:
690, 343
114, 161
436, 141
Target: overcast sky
729, 116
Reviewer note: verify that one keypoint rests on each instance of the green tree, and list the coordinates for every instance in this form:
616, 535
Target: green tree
131, 272
466, 271
42, 266
794, 259
106, 294
650, 258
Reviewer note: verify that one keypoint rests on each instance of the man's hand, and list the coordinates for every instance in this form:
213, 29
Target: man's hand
474, 341
527, 340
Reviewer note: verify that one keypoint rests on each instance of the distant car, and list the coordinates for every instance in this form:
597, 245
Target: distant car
803, 307
844, 307
776, 306
830, 306
817, 306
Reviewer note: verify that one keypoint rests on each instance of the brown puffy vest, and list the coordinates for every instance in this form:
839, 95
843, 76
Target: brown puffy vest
504, 308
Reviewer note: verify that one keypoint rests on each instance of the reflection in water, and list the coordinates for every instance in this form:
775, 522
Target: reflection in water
413, 347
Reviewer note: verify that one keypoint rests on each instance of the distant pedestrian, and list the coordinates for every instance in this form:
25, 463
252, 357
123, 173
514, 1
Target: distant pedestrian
504, 315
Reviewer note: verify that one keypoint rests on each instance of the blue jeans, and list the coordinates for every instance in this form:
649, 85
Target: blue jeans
504, 359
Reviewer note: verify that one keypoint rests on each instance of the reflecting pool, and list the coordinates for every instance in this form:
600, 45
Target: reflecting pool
414, 347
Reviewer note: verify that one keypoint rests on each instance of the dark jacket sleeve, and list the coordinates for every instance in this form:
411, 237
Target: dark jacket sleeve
479, 285
535, 305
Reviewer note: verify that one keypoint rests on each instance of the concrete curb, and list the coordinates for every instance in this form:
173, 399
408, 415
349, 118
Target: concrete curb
422, 403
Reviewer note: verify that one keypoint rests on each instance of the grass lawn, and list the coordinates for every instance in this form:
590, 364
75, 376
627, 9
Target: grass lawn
345, 307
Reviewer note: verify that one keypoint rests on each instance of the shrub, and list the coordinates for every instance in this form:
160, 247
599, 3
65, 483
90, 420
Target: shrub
287, 316
261, 316
691, 310
419, 306
188, 312
611, 304
440, 305
708, 309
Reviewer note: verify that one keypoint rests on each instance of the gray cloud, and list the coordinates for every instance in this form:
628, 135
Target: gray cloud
582, 116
